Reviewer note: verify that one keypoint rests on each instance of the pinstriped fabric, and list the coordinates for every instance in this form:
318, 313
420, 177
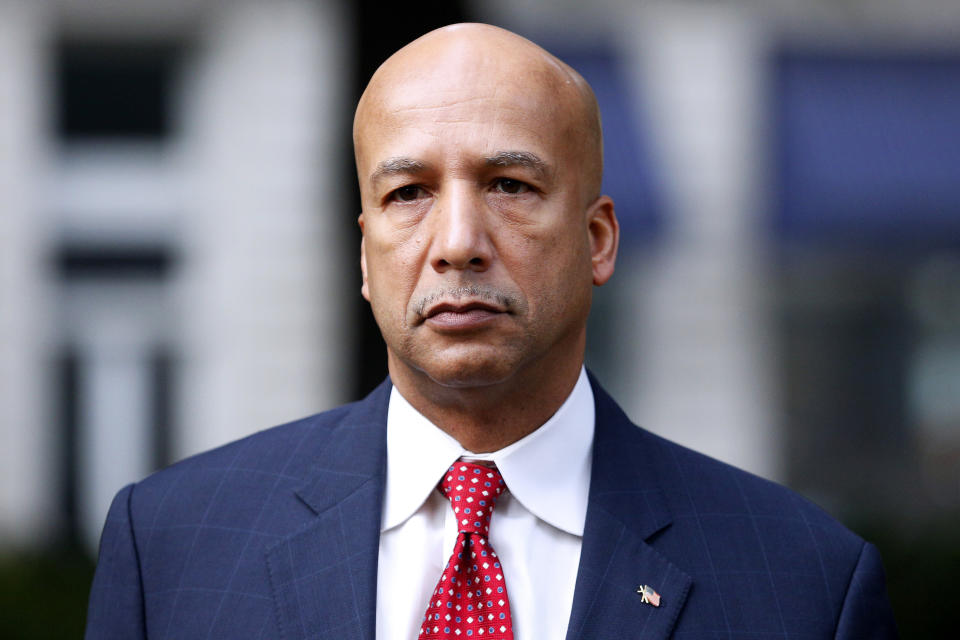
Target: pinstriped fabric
190, 552
276, 536
761, 561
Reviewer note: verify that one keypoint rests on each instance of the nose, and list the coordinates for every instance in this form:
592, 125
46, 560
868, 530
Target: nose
461, 239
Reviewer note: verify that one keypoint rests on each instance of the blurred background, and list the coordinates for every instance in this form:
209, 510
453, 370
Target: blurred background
178, 250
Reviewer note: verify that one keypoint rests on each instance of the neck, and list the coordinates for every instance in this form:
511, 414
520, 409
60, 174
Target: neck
490, 417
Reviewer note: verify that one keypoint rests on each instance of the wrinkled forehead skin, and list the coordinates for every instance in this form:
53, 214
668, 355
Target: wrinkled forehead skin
475, 72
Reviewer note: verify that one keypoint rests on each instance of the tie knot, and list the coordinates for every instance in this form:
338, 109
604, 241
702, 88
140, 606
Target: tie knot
472, 490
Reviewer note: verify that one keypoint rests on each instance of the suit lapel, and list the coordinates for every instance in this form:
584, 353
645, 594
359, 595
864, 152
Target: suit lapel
324, 575
626, 508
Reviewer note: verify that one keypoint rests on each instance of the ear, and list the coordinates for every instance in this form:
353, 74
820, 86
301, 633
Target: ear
604, 233
364, 287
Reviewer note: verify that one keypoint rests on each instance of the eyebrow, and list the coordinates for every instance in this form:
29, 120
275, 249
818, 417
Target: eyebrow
394, 166
519, 159
406, 165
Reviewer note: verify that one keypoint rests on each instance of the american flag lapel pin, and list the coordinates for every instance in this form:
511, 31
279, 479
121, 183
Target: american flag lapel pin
648, 595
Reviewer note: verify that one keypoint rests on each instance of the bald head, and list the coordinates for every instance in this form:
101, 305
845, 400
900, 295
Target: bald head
459, 64
484, 231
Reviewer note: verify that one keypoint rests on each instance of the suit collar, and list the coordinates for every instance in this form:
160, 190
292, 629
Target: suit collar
625, 482
324, 575
627, 508
354, 455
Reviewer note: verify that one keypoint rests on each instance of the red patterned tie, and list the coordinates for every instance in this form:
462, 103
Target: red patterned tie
470, 600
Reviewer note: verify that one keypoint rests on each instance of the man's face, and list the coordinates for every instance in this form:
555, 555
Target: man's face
478, 236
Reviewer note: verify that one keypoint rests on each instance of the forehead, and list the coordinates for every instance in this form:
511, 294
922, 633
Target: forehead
465, 109
464, 122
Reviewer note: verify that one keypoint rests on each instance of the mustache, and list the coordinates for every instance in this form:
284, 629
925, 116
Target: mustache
486, 293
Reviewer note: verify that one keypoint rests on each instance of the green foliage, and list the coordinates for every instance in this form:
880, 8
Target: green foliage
44, 595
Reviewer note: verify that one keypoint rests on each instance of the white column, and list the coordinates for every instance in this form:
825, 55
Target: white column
26, 453
114, 430
115, 433
703, 358
263, 303
114, 327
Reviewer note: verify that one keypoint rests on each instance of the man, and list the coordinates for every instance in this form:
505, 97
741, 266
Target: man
484, 231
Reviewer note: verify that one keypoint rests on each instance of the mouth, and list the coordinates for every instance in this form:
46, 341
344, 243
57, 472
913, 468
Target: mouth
461, 315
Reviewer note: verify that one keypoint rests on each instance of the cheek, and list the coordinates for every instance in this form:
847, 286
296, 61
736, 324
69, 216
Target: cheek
561, 250
392, 272
557, 271
550, 270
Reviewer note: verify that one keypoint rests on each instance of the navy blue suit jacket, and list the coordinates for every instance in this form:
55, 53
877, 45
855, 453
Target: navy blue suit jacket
276, 536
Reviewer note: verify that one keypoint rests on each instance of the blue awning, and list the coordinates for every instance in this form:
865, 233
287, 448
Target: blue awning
868, 148
629, 174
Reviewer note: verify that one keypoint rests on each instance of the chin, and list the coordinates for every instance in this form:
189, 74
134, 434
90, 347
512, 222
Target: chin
469, 367
468, 374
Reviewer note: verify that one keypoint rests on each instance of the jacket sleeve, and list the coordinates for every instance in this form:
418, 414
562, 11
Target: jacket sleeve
116, 597
866, 609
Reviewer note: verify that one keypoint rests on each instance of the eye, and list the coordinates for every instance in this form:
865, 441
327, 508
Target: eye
407, 193
511, 186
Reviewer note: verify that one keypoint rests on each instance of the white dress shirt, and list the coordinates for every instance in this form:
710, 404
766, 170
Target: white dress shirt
536, 528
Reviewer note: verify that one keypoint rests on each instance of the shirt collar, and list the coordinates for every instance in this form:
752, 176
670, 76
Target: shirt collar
547, 471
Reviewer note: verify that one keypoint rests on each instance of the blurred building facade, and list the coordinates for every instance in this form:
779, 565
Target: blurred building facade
178, 263
169, 280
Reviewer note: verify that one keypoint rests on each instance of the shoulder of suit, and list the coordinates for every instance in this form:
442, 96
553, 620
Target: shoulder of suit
283, 451
709, 485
